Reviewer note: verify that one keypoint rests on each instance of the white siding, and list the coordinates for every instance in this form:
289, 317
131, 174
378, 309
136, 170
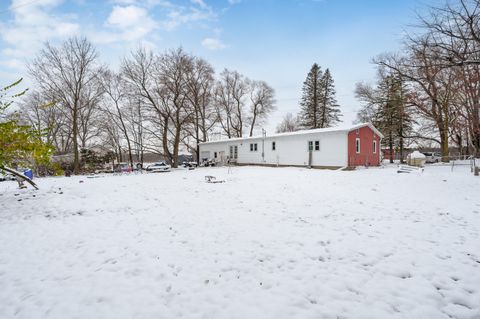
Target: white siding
290, 149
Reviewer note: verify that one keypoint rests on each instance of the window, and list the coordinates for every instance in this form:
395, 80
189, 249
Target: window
274, 146
310, 145
357, 145
214, 154
374, 146
234, 152
253, 147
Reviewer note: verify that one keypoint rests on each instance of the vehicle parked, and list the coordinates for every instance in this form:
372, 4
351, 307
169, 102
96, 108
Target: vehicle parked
190, 164
432, 157
122, 168
207, 163
6, 177
158, 167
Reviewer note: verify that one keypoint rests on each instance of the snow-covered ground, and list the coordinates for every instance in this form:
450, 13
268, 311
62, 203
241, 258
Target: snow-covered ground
267, 243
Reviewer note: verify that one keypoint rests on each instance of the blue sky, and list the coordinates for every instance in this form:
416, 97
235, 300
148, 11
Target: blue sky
275, 41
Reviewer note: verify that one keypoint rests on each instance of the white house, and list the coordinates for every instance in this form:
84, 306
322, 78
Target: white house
335, 147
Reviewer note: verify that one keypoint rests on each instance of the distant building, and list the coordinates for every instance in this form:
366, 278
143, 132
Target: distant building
386, 153
336, 147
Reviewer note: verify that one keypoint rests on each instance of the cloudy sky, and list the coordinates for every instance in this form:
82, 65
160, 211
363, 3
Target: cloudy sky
276, 41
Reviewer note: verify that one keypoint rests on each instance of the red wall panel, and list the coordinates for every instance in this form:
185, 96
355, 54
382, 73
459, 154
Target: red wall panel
366, 157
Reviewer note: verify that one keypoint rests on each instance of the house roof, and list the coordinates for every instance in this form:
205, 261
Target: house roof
303, 132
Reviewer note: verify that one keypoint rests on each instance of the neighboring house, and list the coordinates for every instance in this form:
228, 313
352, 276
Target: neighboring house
386, 153
335, 147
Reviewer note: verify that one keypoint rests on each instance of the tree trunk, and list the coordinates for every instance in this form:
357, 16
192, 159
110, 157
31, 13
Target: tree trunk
76, 155
253, 124
401, 150
197, 135
120, 157
166, 151
176, 146
444, 145
390, 146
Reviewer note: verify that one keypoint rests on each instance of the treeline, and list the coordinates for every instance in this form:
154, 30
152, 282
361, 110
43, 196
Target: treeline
430, 90
160, 103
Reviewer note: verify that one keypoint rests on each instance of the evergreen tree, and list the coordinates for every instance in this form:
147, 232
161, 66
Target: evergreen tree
310, 102
318, 106
329, 108
385, 107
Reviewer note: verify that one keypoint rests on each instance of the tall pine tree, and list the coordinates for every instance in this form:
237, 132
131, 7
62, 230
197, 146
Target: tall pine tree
310, 103
385, 107
329, 108
318, 106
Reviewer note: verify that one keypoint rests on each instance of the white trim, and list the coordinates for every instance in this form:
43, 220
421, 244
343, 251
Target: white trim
357, 145
374, 146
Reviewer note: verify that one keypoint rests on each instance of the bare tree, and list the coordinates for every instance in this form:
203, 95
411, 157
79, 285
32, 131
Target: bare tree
466, 113
68, 72
430, 85
46, 118
116, 98
241, 103
230, 97
160, 83
200, 81
455, 30
172, 70
138, 72
262, 103
137, 121
289, 123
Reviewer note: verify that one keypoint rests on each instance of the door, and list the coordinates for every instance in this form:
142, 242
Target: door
222, 156
233, 155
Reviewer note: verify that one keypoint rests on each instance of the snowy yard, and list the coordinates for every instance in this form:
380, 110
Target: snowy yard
267, 243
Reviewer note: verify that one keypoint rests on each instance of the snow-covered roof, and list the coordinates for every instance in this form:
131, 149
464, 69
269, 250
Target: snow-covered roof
304, 132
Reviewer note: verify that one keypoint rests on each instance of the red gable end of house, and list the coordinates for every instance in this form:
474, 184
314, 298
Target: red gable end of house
363, 147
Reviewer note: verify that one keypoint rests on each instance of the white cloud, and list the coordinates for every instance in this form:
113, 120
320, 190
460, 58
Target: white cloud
201, 3
145, 3
125, 17
31, 26
213, 44
130, 23
13, 64
180, 15
133, 22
